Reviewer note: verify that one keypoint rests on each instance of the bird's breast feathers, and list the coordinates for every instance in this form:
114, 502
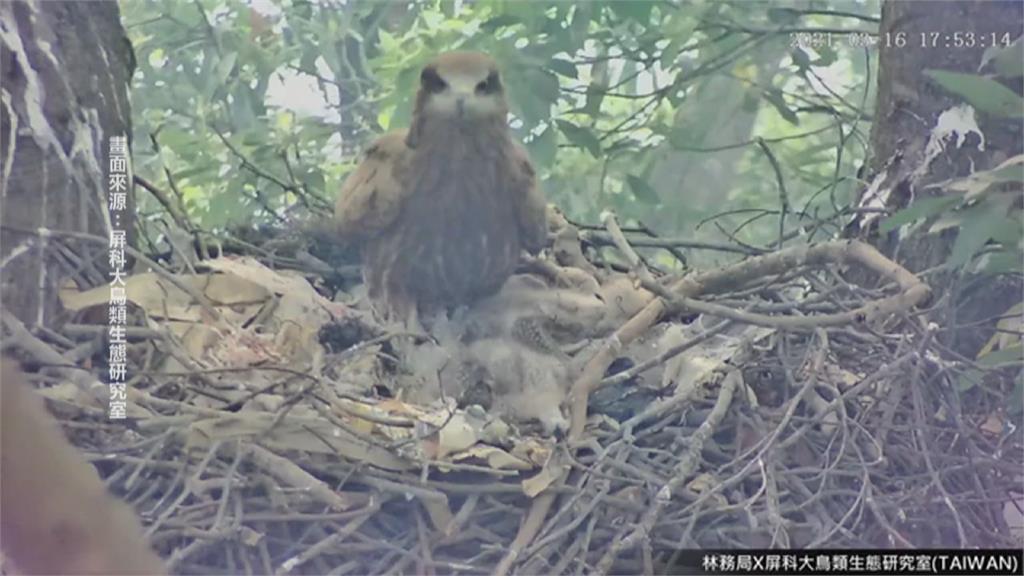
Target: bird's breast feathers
457, 234
445, 208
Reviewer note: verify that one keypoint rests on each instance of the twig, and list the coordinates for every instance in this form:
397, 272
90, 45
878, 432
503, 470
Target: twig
682, 473
200, 299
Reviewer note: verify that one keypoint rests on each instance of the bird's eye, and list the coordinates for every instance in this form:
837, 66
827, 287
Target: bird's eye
489, 86
432, 81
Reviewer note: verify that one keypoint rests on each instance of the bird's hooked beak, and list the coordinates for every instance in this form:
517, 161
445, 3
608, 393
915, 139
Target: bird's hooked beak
462, 90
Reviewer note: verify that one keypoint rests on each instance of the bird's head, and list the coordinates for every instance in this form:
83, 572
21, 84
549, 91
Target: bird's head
462, 86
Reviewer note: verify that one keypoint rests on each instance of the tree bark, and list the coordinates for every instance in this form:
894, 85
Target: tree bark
908, 108
66, 68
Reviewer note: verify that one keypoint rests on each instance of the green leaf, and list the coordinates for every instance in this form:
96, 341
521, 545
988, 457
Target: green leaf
176, 138
1007, 229
228, 207
800, 59
782, 15
975, 231
225, 66
388, 42
1004, 356
157, 58
314, 180
401, 113
595, 96
774, 97
580, 136
532, 92
597, 88
544, 147
678, 29
973, 376
197, 169
826, 57
642, 190
1007, 61
1005, 262
918, 209
985, 94
639, 10
242, 113
970, 378
580, 23
1017, 398
563, 68
670, 53
628, 71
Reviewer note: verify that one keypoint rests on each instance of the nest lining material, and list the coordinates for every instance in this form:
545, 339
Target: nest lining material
793, 410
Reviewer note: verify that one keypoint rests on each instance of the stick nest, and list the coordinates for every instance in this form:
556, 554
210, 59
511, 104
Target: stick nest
770, 403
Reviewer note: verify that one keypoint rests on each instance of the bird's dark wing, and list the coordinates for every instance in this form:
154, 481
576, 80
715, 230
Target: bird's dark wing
530, 203
373, 194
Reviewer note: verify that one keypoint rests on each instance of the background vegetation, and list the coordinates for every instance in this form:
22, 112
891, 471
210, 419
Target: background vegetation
697, 119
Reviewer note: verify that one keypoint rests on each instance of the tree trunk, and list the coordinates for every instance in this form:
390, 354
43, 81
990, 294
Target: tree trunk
66, 68
909, 105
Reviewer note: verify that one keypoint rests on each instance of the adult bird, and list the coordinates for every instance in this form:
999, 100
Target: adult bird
443, 210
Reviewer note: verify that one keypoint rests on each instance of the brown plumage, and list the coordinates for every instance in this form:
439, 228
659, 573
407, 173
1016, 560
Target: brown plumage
56, 515
444, 209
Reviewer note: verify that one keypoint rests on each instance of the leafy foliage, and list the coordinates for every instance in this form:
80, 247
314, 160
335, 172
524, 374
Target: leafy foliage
985, 210
985, 94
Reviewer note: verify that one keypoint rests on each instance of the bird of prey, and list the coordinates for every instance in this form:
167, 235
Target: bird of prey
443, 210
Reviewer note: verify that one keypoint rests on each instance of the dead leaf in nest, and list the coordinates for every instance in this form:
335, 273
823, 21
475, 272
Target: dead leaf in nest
299, 301
67, 392
982, 181
633, 494
1009, 330
456, 436
251, 269
533, 450
236, 348
235, 298
704, 482
992, 425
439, 511
493, 457
697, 365
240, 289
71, 394
299, 311
460, 433
395, 406
248, 536
542, 480
828, 420
227, 427
351, 411
841, 377
449, 433
306, 434
497, 432
226, 347
701, 483
195, 338
298, 343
